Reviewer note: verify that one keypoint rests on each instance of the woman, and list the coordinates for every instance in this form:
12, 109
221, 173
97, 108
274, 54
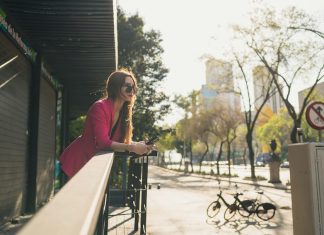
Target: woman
108, 125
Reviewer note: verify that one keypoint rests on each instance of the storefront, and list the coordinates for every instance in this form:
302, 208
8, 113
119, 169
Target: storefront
49, 71
15, 78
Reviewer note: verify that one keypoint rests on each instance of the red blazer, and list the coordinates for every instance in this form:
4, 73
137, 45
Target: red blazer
96, 136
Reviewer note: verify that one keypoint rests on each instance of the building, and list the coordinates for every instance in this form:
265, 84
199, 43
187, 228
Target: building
54, 59
261, 78
219, 85
318, 94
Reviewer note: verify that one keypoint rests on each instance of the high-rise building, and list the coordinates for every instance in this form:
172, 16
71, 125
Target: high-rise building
219, 85
317, 94
261, 77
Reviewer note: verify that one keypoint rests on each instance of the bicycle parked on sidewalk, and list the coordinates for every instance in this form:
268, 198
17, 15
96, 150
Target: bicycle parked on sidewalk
265, 211
214, 207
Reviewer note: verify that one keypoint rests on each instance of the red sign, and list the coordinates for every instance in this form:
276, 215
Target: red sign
315, 115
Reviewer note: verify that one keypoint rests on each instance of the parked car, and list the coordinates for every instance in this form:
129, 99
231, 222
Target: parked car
259, 163
284, 165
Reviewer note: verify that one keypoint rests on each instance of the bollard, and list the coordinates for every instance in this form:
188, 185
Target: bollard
158, 186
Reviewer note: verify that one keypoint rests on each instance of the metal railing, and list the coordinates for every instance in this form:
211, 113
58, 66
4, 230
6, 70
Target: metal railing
82, 205
136, 190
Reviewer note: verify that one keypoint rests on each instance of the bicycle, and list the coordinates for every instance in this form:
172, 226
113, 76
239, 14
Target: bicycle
244, 207
265, 211
214, 207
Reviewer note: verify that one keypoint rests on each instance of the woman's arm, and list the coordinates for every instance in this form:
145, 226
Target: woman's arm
134, 147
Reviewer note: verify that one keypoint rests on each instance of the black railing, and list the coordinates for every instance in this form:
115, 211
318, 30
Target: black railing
134, 189
81, 206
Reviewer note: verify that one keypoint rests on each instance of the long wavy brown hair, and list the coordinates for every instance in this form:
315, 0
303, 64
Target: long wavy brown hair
113, 88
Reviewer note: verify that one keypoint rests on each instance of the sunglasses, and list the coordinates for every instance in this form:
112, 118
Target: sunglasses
130, 88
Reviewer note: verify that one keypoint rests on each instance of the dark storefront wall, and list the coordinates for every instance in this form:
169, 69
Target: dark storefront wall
14, 104
78, 42
15, 95
46, 142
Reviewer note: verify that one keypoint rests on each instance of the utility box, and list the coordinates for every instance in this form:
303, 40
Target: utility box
306, 162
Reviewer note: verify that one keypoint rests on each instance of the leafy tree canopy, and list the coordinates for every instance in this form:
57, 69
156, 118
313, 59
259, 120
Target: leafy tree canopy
276, 128
140, 51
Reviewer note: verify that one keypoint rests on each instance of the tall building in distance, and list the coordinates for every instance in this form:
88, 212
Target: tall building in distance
261, 78
219, 85
318, 94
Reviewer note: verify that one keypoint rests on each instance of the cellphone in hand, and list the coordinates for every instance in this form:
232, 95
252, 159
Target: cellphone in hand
152, 140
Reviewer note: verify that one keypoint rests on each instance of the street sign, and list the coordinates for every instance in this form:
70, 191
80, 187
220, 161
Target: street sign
315, 115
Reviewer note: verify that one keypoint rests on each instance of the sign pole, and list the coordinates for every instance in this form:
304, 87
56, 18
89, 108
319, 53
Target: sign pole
320, 135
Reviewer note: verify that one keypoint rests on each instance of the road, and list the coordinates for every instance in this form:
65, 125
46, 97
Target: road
179, 207
242, 171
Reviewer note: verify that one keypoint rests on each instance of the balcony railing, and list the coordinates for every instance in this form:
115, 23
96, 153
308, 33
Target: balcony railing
81, 206
78, 206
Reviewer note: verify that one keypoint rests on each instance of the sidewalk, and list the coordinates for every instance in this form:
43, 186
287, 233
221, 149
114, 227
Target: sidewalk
179, 206
238, 180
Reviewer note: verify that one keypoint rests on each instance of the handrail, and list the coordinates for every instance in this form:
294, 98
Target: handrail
76, 207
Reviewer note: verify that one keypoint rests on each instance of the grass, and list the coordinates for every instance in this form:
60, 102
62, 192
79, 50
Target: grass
258, 178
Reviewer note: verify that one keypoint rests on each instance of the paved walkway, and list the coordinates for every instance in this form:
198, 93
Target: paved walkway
179, 207
284, 177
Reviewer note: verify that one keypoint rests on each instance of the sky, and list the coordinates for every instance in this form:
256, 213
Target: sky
191, 29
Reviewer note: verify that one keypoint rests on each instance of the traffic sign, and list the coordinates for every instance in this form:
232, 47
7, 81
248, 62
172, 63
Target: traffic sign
315, 115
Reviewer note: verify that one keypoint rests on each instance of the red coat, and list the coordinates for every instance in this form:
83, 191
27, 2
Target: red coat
96, 136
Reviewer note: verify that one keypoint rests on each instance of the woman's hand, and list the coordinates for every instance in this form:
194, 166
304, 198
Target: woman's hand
140, 148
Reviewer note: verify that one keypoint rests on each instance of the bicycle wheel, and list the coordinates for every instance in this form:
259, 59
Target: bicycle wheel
246, 208
213, 209
266, 211
230, 212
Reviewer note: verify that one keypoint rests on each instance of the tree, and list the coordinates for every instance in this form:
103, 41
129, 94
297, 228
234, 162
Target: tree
141, 52
200, 130
276, 128
232, 118
189, 104
251, 109
166, 142
280, 44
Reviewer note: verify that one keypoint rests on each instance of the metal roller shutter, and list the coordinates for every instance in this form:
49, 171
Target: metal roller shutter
46, 142
15, 75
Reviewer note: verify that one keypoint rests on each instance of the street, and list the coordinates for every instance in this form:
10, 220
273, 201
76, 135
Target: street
240, 170
179, 206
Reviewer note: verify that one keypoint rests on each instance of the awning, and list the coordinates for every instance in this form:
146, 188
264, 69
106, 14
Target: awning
77, 40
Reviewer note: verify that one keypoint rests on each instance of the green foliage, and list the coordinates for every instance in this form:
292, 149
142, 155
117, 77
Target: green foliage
141, 52
278, 128
166, 142
76, 128
258, 178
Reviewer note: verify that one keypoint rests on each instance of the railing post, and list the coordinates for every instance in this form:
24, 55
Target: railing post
102, 224
137, 179
144, 193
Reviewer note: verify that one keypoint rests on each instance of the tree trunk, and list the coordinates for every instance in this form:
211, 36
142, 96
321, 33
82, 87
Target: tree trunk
293, 133
202, 157
162, 159
229, 157
219, 156
192, 170
249, 141
244, 156
180, 162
